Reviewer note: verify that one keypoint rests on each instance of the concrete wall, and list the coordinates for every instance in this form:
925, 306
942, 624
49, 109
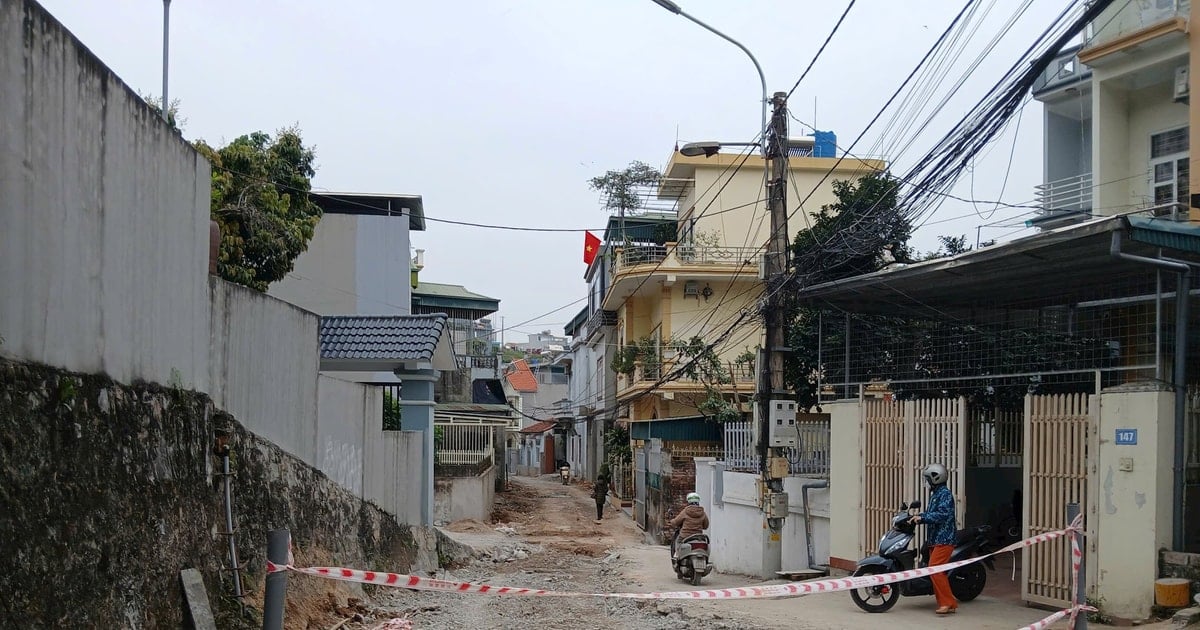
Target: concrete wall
1134, 506
845, 482
354, 264
264, 366
458, 498
736, 521
323, 279
347, 414
390, 478
105, 212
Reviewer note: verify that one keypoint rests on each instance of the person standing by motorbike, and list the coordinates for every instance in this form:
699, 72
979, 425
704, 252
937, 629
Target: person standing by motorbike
600, 494
690, 521
939, 517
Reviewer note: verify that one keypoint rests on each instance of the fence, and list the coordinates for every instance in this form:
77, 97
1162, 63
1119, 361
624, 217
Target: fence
811, 457
995, 439
464, 440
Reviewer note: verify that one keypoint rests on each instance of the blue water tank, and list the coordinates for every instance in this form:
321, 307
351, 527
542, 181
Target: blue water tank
824, 144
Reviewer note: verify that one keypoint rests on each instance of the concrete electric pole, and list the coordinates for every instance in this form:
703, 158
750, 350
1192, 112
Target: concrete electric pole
776, 409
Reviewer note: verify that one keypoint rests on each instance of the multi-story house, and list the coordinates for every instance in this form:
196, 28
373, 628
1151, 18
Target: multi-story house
1116, 117
692, 281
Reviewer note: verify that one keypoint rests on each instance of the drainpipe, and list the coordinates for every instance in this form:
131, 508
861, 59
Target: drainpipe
808, 534
1182, 296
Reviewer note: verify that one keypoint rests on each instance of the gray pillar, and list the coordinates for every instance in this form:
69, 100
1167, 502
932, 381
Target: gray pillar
416, 409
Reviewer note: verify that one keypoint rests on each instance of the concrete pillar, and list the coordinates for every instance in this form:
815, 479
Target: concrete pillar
416, 409
845, 483
1110, 147
1133, 504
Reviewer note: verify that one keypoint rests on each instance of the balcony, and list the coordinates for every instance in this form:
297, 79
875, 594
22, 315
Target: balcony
644, 378
1063, 201
630, 265
1130, 25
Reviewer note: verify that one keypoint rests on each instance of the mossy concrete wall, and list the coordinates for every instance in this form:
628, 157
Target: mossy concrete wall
109, 490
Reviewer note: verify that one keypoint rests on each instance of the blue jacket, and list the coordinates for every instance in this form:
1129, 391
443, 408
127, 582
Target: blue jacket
943, 529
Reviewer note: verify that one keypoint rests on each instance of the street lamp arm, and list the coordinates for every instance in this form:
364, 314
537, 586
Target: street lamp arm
762, 79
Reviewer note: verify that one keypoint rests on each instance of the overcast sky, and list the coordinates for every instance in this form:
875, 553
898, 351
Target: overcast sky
499, 111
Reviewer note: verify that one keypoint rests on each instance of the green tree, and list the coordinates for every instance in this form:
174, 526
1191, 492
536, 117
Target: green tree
176, 121
620, 188
391, 412
260, 186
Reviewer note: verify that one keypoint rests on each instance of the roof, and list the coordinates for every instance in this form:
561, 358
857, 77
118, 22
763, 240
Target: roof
431, 296
375, 204
1180, 235
577, 322
1056, 267
539, 427
473, 408
385, 342
521, 378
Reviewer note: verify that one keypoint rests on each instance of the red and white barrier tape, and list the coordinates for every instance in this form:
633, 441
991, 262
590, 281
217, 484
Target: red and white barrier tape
1049, 621
416, 582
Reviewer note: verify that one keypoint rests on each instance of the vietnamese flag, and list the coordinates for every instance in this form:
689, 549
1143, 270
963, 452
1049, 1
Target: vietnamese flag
591, 247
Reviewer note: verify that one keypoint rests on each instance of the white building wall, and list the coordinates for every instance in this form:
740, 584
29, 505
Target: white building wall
323, 279
105, 213
382, 277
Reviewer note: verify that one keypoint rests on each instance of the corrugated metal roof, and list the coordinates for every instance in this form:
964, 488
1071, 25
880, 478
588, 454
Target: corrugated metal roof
382, 337
1180, 235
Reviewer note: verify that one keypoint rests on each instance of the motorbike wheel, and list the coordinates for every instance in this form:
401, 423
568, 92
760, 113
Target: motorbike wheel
967, 582
696, 577
875, 599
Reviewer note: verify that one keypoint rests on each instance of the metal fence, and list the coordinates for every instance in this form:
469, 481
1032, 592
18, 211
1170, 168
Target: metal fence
810, 458
464, 441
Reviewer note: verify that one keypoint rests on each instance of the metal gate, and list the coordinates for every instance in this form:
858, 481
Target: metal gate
1060, 436
639, 487
898, 440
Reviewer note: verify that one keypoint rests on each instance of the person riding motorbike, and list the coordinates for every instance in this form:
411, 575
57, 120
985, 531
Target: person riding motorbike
939, 517
690, 521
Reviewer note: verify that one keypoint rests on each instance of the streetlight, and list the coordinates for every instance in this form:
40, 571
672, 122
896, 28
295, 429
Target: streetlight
675, 8
709, 149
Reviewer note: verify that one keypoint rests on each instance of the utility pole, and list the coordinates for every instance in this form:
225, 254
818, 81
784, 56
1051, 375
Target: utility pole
166, 56
776, 410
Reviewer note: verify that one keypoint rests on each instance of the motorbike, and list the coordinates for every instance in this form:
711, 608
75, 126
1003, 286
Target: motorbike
894, 555
691, 559
565, 473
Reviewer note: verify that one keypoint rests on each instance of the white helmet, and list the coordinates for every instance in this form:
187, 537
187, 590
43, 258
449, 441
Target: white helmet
935, 474
693, 498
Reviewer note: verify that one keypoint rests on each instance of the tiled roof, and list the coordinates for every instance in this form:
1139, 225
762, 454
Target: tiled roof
448, 290
538, 427
381, 337
521, 378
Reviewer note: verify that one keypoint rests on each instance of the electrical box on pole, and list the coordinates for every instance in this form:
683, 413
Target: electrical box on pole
782, 427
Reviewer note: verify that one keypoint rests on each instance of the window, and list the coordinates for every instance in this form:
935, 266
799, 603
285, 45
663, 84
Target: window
1169, 166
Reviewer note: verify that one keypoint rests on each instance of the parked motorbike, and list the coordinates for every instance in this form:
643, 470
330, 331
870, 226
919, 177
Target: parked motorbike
894, 555
565, 473
691, 559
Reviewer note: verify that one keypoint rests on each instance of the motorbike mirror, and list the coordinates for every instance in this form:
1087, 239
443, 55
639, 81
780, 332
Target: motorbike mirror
914, 505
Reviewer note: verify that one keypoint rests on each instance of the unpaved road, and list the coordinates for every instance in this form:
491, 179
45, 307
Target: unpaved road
547, 540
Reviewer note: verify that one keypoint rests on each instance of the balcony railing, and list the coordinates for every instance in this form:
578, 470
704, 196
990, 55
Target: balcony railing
1069, 194
1121, 19
674, 256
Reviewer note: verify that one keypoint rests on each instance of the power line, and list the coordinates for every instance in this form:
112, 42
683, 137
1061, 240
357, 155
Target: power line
822, 48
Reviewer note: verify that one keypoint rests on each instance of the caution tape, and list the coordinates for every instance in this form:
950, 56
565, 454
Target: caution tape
791, 589
1062, 614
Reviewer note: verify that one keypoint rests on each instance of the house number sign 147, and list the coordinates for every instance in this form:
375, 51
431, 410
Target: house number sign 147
1127, 436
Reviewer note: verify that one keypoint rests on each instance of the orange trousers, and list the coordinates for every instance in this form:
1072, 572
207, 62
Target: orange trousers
940, 554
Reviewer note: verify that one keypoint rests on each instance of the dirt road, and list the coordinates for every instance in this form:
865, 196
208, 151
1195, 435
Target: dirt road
543, 536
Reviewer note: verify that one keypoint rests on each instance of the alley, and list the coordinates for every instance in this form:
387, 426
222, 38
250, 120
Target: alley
543, 536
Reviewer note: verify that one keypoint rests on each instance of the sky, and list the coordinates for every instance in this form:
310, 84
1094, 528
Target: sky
499, 111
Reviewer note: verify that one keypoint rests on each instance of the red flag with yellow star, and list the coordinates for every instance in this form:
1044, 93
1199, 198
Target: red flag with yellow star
591, 247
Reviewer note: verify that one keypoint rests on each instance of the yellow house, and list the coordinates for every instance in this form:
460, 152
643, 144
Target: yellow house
697, 285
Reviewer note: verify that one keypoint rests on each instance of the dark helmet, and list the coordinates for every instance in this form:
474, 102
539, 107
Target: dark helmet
935, 474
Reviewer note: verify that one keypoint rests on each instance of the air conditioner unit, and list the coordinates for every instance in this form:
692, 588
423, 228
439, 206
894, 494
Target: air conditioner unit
691, 288
1181, 84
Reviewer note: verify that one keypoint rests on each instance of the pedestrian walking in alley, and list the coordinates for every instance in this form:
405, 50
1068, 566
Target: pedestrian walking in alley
600, 494
939, 518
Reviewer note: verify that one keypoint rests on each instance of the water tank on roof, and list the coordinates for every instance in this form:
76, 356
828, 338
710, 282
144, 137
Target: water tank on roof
824, 144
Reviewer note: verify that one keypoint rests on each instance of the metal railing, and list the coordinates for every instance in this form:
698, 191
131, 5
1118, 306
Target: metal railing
703, 255
463, 441
1069, 194
811, 457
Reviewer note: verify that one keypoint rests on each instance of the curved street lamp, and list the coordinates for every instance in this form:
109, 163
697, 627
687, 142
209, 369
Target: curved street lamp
675, 8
